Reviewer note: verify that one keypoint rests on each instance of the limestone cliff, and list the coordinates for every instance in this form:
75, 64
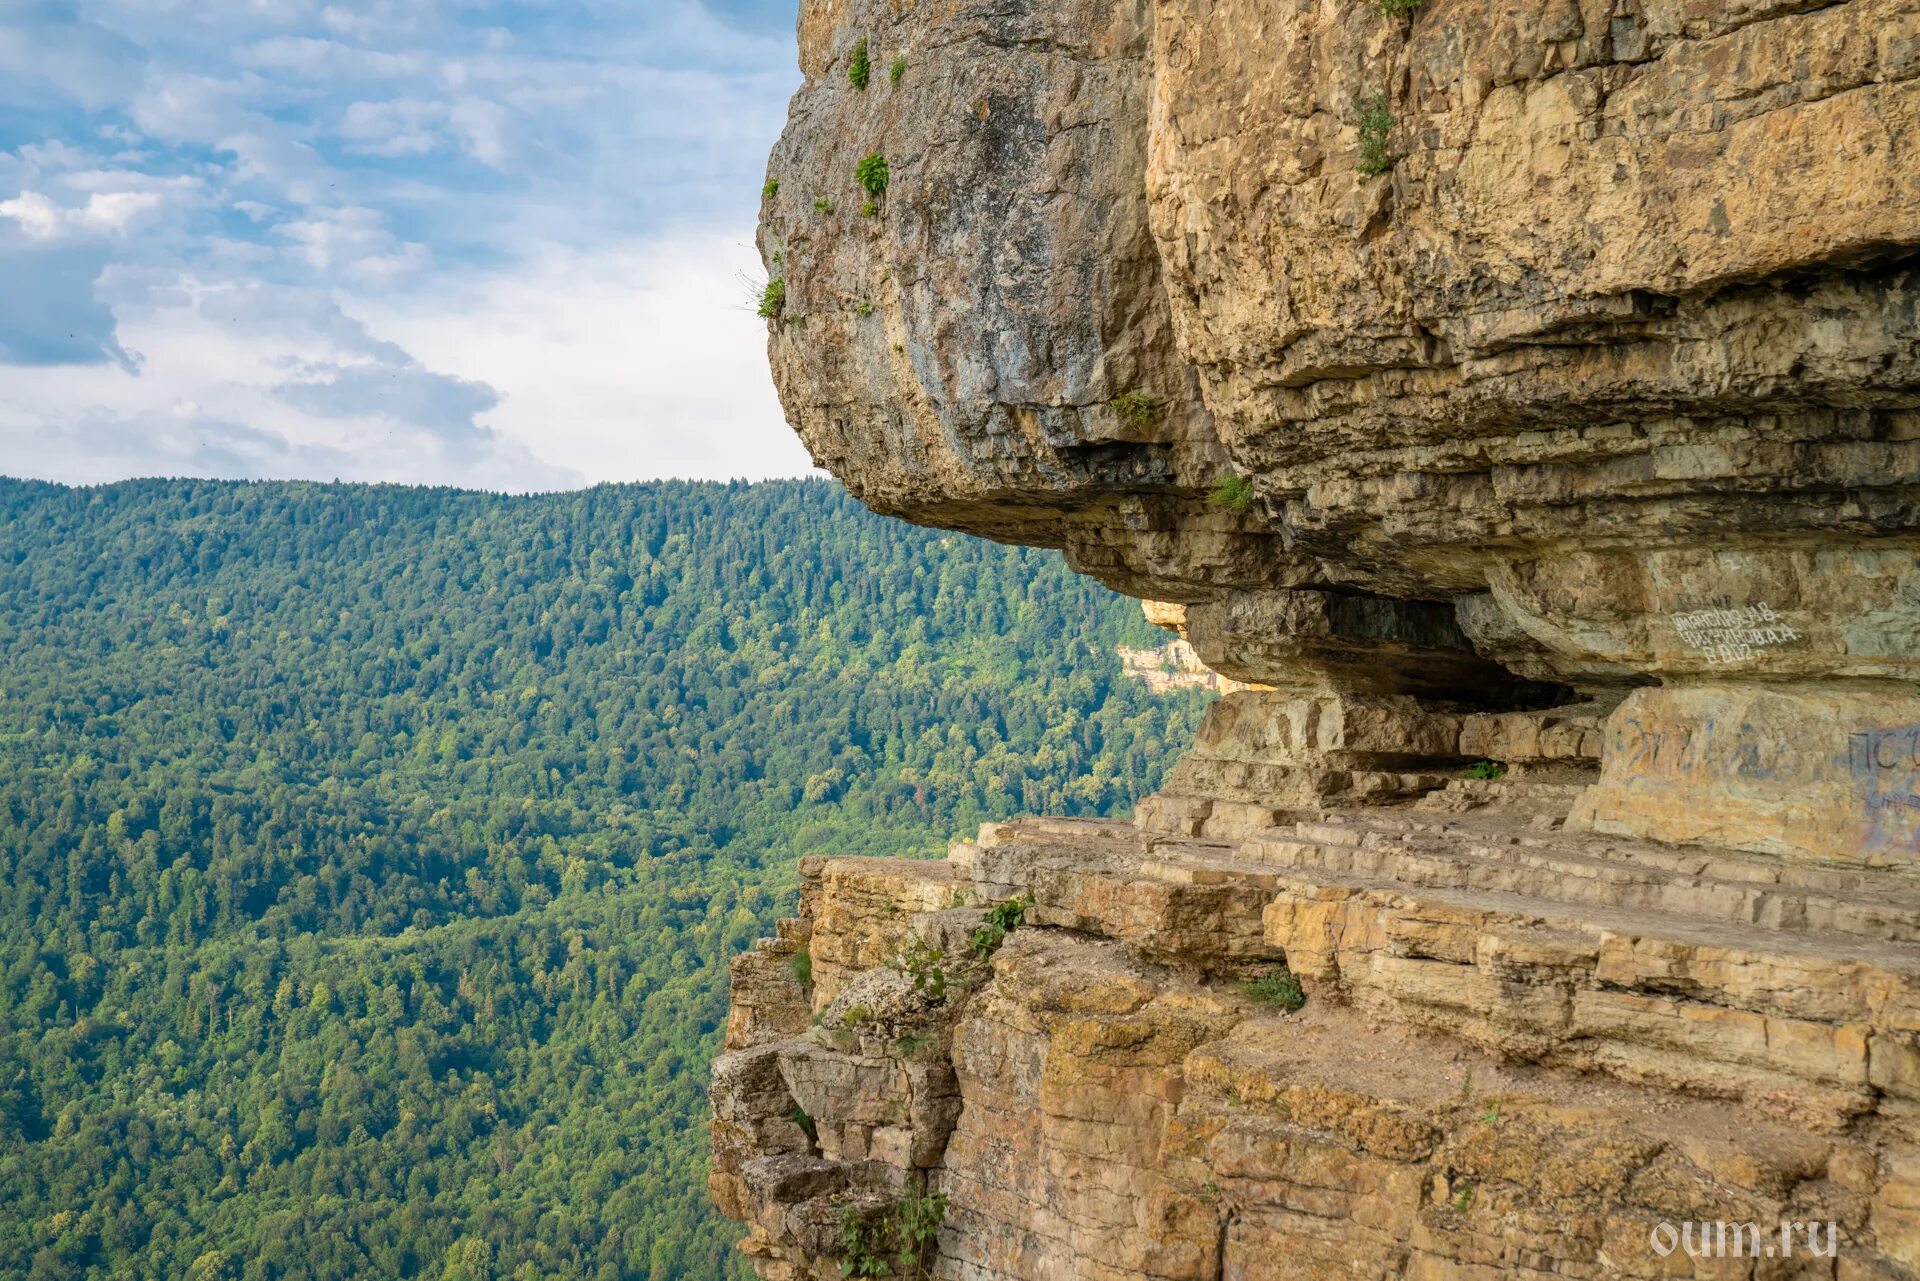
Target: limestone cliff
1526, 382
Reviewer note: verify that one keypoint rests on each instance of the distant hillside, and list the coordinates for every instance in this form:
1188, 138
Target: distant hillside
370, 857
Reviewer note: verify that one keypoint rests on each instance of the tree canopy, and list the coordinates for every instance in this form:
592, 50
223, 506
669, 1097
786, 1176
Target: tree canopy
371, 857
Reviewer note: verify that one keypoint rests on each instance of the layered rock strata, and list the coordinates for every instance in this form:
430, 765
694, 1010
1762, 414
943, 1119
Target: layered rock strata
1526, 337
1523, 399
1522, 1052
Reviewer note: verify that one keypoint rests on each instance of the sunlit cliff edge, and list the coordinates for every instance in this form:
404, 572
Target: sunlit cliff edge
1525, 398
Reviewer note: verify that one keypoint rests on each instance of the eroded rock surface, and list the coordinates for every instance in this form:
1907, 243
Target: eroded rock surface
1522, 398
1522, 1050
1622, 330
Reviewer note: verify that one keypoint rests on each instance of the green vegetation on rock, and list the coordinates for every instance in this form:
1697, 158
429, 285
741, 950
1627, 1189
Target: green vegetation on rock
1234, 493
1137, 410
773, 298
1376, 126
1280, 990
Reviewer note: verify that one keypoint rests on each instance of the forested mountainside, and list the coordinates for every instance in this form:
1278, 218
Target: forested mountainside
371, 857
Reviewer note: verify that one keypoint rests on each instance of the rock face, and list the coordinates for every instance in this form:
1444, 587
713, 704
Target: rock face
1532, 384
1523, 1051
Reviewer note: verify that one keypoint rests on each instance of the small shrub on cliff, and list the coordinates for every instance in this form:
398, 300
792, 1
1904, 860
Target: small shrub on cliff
898, 69
800, 1118
802, 967
773, 298
863, 1245
919, 1221
924, 965
859, 67
1376, 125
823, 205
1486, 769
1281, 990
1234, 493
772, 188
1001, 918
870, 210
1398, 8
895, 1244
872, 174
1136, 409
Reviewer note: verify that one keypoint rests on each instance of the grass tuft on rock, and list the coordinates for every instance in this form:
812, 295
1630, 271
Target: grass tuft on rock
1376, 126
1234, 493
1280, 990
1137, 410
773, 298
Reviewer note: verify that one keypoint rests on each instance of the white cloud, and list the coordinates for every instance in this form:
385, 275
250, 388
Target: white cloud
110, 180
355, 242
54, 155
57, 316
105, 213
636, 361
243, 379
401, 127
482, 125
182, 245
328, 59
207, 111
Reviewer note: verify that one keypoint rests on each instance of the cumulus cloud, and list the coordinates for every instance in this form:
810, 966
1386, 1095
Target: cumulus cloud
105, 213
633, 360
54, 316
354, 241
93, 448
404, 392
401, 127
221, 393
393, 239
205, 111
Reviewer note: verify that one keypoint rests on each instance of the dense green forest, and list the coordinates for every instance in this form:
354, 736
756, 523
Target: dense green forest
371, 857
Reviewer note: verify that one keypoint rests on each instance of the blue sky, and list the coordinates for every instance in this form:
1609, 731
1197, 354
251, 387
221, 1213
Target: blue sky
504, 245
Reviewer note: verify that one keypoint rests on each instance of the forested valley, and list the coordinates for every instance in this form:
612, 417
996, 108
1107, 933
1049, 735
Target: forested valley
371, 857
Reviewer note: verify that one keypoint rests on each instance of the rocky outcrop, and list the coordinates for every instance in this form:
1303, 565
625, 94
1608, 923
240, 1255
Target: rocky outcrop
1523, 400
1534, 332
1173, 666
1521, 1053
